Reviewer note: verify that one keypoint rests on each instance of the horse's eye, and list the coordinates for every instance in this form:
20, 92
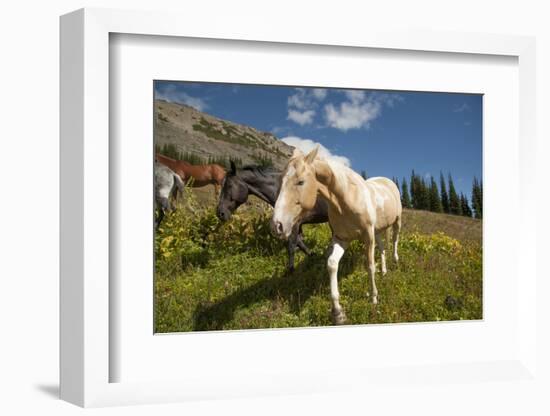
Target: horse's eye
300, 183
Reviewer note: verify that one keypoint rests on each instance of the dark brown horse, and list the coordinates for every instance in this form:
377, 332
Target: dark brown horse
195, 175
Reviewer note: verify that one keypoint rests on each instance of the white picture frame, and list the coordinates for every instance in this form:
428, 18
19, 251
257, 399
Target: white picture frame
85, 353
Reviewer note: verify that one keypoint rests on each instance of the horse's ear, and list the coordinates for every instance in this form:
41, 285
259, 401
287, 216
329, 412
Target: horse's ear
310, 157
233, 168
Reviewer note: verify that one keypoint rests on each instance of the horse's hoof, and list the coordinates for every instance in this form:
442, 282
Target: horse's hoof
338, 318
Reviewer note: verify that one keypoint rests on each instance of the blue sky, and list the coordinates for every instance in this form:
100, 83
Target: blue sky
386, 133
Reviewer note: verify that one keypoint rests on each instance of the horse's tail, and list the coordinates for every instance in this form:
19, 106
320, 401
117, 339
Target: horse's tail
179, 186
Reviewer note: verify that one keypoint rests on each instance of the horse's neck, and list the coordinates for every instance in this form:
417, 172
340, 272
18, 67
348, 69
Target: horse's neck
330, 186
265, 188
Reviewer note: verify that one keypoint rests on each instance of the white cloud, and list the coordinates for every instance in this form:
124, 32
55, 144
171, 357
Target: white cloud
302, 118
299, 100
355, 96
172, 94
359, 109
319, 93
302, 105
307, 145
352, 115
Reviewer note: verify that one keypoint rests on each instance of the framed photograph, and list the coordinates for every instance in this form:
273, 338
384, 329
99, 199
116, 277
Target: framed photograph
288, 221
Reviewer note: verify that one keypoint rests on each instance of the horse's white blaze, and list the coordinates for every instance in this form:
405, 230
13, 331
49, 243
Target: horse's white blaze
281, 211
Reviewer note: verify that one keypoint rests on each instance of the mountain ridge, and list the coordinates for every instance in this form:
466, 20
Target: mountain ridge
207, 136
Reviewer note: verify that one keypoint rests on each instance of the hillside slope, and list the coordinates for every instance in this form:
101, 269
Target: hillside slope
461, 228
204, 135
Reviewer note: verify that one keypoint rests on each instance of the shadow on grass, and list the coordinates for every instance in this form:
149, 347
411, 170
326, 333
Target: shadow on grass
310, 277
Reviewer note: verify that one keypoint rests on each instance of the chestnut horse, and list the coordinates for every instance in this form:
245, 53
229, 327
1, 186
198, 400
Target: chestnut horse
195, 176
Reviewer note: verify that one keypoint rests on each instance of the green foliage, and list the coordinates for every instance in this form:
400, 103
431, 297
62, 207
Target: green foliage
420, 194
405, 197
435, 200
211, 275
171, 150
477, 198
466, 210
262, 159
455, 207
444, 195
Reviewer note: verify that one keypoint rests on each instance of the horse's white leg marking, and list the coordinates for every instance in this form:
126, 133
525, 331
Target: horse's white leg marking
338, 248
396, 230
371, 265
380, 244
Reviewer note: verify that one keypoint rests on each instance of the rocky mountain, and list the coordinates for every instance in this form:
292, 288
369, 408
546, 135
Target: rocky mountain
203, 135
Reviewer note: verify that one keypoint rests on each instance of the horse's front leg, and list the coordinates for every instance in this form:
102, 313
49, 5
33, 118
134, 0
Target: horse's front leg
337, 251
303, 246
291, 248
371, 267
163, 205
300, 242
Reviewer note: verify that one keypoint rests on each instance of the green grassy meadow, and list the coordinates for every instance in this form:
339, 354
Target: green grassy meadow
212, 276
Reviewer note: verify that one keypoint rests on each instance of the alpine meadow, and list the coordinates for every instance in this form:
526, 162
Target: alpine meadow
233, 163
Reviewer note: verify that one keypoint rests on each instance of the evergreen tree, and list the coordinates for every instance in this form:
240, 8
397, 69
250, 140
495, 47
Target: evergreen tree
364, 174
444, 195
405, 197
455, 207
435, 200
477, 199
481, 199
424, 195
466, 210
171, 150
414, 197
420, 197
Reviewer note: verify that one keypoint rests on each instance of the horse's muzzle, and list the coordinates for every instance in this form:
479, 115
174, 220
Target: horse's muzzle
222, 215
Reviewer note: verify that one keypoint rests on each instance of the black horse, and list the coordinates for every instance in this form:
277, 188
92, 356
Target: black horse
265, 184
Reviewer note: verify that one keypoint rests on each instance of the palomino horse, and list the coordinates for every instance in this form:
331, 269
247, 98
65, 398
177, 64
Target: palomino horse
358, 210
195, 175
264, 183
167, 184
